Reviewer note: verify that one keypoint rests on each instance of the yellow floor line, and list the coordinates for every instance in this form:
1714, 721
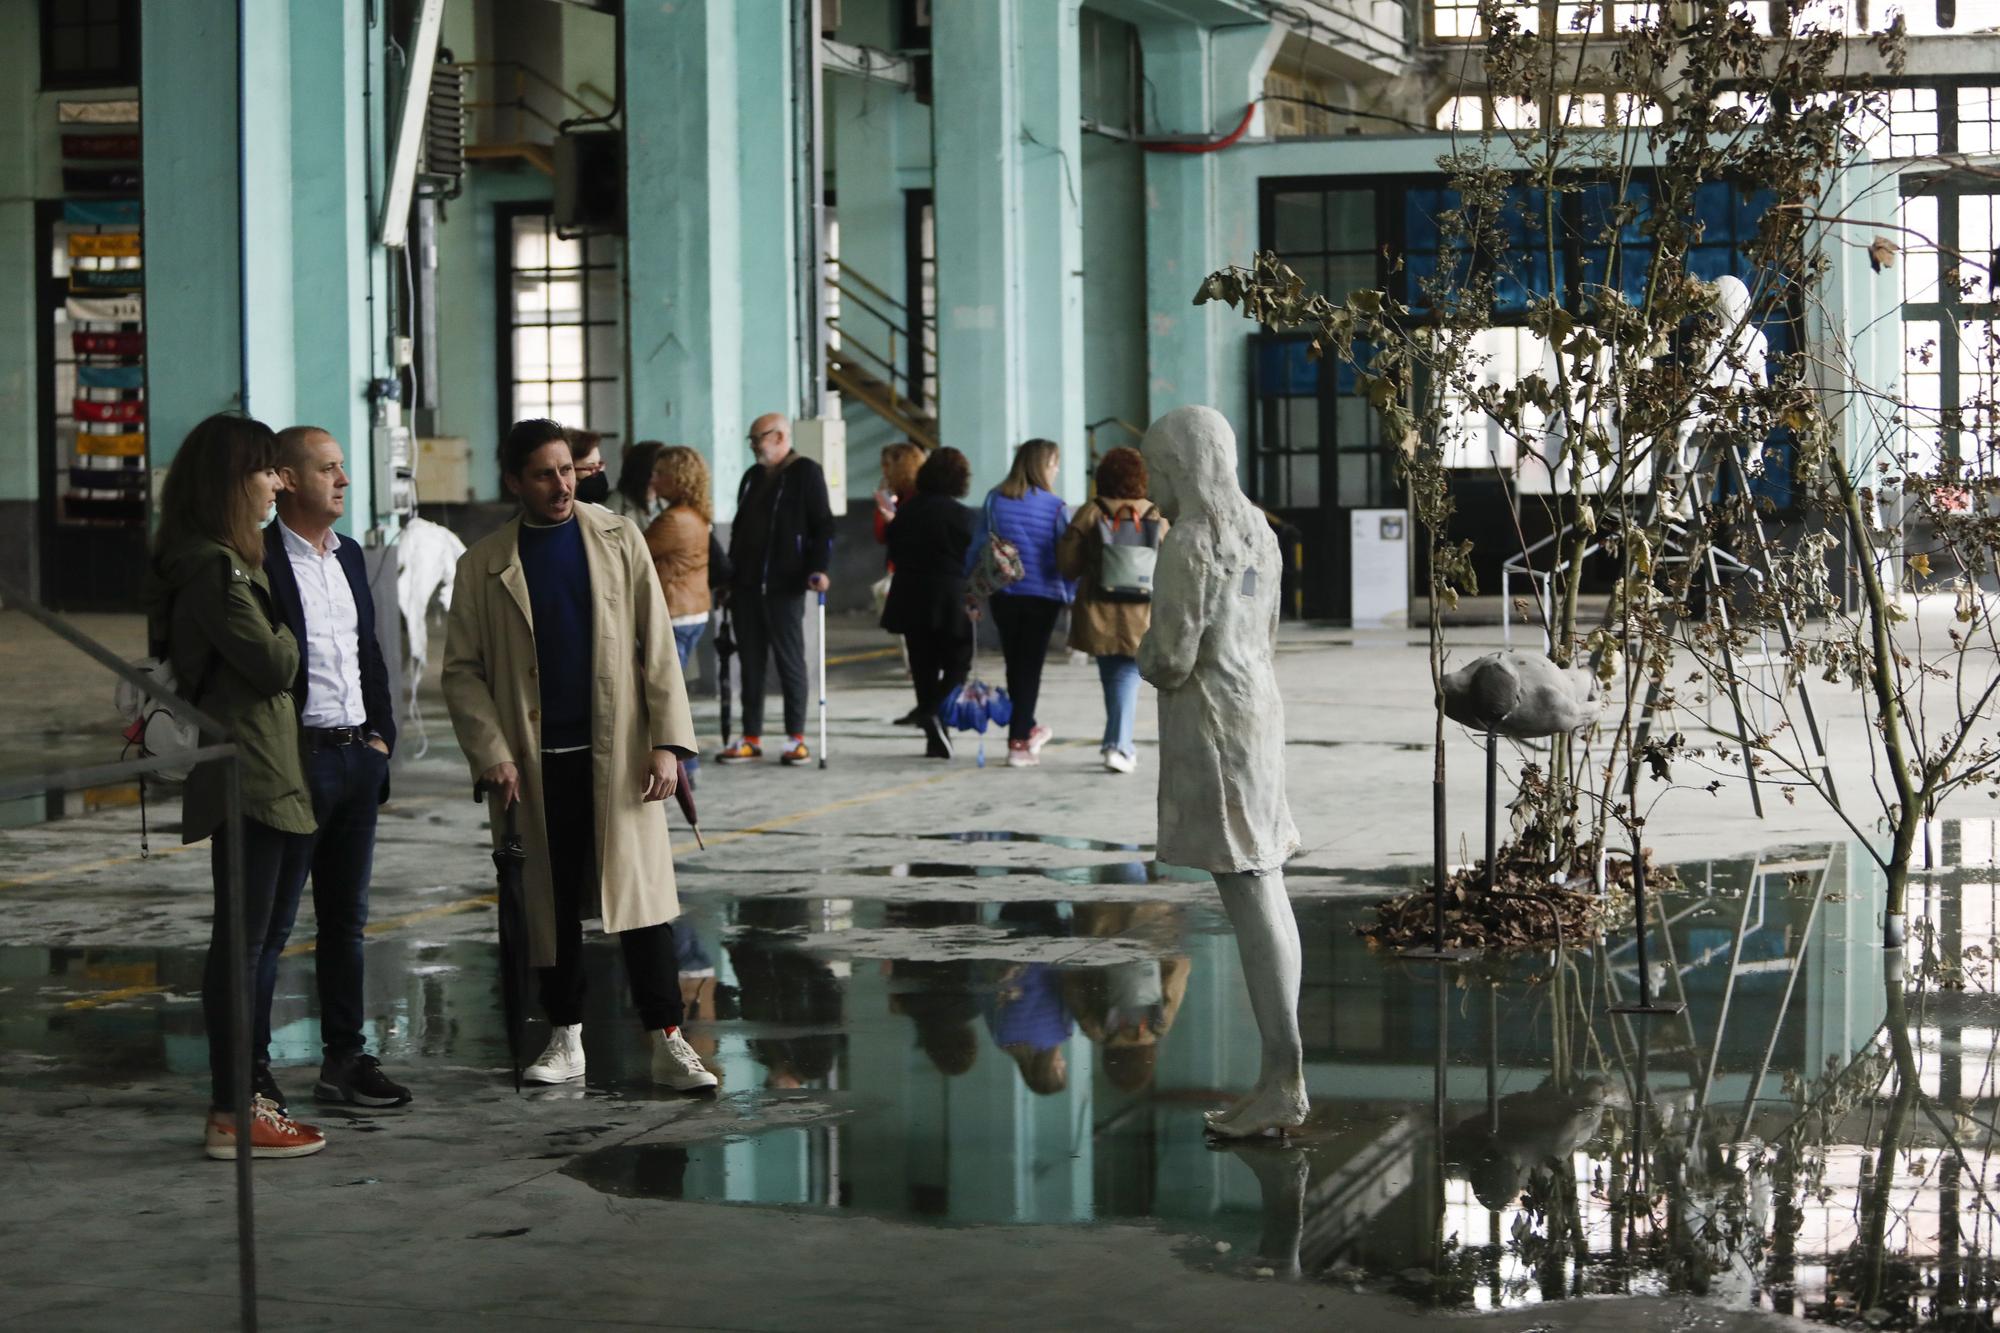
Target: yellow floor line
872, 655
388, 924
85, 867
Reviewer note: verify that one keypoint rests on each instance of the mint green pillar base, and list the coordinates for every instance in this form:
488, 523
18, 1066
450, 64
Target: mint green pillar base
711, 324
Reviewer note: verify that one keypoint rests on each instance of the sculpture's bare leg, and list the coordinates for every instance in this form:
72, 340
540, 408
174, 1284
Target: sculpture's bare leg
1267, 941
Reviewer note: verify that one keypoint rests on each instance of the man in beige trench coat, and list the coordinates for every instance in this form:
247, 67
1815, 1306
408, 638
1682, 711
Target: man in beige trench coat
566, 694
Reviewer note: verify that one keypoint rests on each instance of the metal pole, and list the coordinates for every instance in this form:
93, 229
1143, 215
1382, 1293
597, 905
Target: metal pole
822, 680
240, 1036
1438, 868
1492, 811
1646, 1004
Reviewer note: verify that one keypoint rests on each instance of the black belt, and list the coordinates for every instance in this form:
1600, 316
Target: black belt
321, 737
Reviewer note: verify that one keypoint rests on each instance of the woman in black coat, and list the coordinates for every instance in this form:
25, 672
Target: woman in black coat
928, 540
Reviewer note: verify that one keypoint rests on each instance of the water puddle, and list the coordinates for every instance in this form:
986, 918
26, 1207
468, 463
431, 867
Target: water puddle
1812, 1134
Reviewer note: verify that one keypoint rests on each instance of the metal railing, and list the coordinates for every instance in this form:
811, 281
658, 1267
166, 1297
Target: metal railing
512, 76
226, 753
906, 384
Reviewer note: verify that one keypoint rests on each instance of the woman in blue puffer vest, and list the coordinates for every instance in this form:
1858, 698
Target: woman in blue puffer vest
1025, 510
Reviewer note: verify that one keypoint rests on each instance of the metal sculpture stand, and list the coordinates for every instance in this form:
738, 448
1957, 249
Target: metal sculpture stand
1646, 1003
1437, 952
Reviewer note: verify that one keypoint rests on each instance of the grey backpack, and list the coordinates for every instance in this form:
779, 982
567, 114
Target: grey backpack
1127, 552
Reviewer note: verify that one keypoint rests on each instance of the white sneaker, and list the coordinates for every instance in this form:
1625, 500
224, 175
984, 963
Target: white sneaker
676, 1065
1037, 739
561, 1060
1120, 763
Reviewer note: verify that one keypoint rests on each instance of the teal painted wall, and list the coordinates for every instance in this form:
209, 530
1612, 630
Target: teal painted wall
1114, 286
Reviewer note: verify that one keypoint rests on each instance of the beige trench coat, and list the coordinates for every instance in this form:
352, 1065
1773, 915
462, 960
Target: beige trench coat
490, 686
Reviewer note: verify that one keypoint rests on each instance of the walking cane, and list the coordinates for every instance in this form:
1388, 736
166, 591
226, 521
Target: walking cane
822, 680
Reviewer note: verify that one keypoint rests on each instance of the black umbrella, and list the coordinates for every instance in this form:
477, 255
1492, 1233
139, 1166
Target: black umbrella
508, 858
725, 648
684, 795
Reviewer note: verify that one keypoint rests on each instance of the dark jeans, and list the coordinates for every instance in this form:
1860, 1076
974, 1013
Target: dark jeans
346, 786
938, 664
270, 859
771, 624
570, 811
1024, 624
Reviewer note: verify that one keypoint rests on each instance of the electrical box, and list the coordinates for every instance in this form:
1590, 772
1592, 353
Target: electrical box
824, 440
390, 449
444, 470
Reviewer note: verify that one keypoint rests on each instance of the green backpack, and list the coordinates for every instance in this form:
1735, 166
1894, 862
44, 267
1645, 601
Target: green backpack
1127, 553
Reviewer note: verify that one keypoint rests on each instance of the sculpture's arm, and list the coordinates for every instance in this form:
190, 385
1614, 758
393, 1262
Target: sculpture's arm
1173, 642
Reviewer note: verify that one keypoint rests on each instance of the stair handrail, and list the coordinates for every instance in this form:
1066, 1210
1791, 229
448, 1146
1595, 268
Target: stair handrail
850, 343
524, 73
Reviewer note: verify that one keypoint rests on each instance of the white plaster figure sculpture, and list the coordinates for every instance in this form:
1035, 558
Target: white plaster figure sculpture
1736, 365
1211, 654
1520, 694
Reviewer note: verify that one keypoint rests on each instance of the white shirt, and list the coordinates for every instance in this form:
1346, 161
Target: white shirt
333, 633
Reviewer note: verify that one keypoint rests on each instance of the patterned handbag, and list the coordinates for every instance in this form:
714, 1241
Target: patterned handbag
999, 564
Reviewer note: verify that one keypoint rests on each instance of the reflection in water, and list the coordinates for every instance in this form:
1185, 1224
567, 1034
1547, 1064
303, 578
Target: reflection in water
1813, 1135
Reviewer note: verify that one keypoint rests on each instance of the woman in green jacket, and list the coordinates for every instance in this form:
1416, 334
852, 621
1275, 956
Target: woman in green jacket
209, 608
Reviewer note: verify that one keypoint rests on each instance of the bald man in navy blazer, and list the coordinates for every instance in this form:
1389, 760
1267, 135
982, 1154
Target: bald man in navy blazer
347, 721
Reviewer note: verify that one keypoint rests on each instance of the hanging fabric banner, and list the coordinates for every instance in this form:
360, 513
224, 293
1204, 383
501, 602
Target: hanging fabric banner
106, 279
101, 212
107, 344
106, 309
104, 244
111, 377
121, 146
110, 111
84, 410
131, 444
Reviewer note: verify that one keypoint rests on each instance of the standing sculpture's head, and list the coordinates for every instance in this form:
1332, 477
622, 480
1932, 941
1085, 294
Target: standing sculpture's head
1732, 302
1191, 453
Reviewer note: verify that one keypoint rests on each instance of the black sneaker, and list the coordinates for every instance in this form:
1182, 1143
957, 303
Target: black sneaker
264, 1084
913, 718
359, 1079
937, 741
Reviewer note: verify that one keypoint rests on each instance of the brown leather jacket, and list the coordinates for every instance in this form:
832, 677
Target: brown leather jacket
678, 540
1098, 627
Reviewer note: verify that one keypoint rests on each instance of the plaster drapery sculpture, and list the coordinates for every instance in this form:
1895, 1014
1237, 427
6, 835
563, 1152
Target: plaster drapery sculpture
1519, 694
1736, 366
1222, 808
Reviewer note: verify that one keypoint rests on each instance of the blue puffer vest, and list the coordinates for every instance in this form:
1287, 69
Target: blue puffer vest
1033, 523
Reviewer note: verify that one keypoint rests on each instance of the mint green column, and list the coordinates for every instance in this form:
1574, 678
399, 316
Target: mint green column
711, 329
1201, 79
331, 234
189, 123
1009, 230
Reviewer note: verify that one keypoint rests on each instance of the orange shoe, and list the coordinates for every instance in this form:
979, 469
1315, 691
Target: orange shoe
796, 752
743, 750
272, 1134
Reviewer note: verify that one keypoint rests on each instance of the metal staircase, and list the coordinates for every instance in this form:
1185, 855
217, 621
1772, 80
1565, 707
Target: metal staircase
881, 355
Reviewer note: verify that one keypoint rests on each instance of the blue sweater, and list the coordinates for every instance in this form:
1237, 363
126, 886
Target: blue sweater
1033, 523
559, 595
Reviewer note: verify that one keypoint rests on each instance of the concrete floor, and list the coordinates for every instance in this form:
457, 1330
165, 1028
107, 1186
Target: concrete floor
839, 1181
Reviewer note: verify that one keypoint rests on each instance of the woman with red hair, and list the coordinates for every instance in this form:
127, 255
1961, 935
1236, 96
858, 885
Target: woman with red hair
1108, 622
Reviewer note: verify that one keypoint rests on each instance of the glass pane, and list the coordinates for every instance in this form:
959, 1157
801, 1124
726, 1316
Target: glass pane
1349, 273
1303, 484
1304, 425
566, 351
1921, 393
1975, 246
1357, 475
531, 353
1353, 423
606, 348
531, 242
1295, 222
1920, 256
531, 297
564, 253
1350, 220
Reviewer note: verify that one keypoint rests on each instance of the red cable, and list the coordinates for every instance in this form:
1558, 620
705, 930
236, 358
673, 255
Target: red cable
1213, 146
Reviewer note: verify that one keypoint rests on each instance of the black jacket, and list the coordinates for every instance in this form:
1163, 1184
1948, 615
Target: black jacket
376, 698
928, 540
800, 541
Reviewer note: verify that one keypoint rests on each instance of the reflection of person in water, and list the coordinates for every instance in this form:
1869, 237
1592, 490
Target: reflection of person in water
1029, 1021
1543, 1126
1126, 1008
784, 987
936, 993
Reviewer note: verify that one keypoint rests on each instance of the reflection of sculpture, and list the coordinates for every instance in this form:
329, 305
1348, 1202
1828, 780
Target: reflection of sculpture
1538, 1129
1735, 366
937, 994
1211, 654
1519, 694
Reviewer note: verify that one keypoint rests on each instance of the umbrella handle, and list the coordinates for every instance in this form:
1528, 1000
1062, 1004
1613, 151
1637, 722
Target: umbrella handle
479, 790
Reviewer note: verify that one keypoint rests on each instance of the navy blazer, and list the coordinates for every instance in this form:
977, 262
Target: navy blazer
376, 698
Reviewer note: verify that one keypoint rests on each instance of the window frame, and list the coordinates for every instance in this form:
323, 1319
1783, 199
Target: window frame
506, 321
125, 74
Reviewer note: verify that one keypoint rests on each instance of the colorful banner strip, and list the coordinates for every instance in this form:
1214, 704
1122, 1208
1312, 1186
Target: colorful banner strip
124, 147
85, 410
104, 244
101, 212
107, 344
111, 377
106, 309
132, 444
107, 279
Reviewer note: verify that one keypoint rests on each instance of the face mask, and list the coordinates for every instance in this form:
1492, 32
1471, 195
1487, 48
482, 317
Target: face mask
270, 515
594, 489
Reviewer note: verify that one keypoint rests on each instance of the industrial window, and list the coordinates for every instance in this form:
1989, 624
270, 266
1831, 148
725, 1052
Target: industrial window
90, 43
559, 345
1951, 323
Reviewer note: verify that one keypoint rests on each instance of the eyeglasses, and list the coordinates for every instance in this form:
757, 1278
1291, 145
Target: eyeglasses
591, 468
757, 435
